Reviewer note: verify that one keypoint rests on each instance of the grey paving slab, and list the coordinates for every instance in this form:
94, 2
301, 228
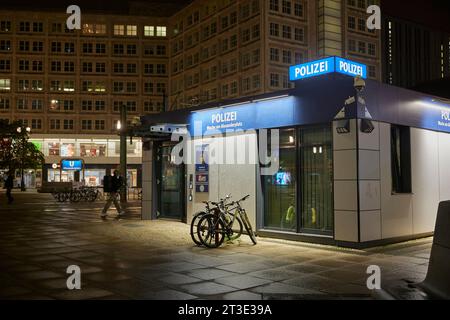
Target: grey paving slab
207, 288
133, 259
242, 281
209, 273
242, 296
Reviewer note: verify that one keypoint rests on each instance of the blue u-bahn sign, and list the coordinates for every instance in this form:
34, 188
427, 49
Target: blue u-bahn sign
72, 165
325, 66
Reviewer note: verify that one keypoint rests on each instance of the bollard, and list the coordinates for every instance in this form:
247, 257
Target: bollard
437, 282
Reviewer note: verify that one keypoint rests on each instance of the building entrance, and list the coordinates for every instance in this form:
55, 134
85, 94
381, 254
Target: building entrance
170, 185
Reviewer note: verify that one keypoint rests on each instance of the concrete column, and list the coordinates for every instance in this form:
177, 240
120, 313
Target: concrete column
147, 182
357, 194
369, 184
345, 148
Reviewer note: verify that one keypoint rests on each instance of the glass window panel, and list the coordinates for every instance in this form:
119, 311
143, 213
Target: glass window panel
280, 189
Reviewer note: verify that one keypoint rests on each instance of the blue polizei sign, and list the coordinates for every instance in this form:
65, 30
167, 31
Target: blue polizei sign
312, 69
72, 165
248, 116
350, 68
325, 66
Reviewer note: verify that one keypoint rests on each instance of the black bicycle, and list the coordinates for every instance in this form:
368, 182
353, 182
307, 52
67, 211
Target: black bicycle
214, 227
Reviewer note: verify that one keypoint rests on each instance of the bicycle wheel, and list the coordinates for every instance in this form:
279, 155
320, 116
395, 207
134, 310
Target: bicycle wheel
75, 196
194, 224
233, 232
248, 226
211, 231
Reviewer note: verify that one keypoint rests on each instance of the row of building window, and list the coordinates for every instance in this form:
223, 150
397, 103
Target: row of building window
287, 32
87, 86
286, 56
86, 67
287, 7
209, 9
130, 30
361, 4
37, 105
358, 24
59, 47
362, 47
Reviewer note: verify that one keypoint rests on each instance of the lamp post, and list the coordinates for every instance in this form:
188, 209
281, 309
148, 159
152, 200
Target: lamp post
22, 157
122, 127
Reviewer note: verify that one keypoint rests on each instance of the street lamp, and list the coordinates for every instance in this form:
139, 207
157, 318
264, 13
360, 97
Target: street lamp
122, 127
23, 146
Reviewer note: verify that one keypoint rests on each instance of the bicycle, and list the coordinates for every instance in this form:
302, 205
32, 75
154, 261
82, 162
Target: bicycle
221, 208
213, 228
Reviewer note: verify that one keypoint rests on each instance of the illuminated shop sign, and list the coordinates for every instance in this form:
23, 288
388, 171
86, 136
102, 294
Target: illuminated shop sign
435, 114
245, 116
72, 165
325, 66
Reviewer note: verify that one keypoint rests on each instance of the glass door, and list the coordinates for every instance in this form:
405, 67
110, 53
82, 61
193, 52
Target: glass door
170, 181
280, 190
316, 180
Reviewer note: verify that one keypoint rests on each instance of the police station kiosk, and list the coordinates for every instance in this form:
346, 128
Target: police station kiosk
358, 163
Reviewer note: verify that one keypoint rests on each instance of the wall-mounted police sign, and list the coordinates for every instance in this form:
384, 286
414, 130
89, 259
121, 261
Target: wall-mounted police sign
325, 66
72, 165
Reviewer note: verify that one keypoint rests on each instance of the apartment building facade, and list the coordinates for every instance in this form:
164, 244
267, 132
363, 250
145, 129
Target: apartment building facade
68, 86
225, 49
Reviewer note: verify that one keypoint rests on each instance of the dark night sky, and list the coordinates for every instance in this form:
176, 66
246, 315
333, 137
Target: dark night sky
165, 7
432, 13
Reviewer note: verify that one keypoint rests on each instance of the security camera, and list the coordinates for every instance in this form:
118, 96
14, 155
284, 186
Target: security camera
367, 126
359, 84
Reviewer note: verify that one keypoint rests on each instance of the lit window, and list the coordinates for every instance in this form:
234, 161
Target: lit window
5, 84
149, 31
88, 28
161, 31
119, 30
100, 29
131, 30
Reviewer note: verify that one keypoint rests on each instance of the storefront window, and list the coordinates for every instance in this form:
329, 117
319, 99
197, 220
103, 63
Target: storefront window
133, 150
280, 189
53, 148
316, 180
58, 176
132, 178
312, 164
92, 150
68, 150
94, 178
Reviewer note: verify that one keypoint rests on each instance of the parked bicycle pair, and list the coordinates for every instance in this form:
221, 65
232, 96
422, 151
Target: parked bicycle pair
86, 194
221, 221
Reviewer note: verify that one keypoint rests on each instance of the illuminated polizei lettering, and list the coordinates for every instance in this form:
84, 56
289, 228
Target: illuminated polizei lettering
445, 115
351, 68
312, 69
224, 117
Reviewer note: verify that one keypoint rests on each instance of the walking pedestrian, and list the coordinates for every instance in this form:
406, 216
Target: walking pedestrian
112, 185
9, 183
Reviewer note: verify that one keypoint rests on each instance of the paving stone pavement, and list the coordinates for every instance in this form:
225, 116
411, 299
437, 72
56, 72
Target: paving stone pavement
134, 259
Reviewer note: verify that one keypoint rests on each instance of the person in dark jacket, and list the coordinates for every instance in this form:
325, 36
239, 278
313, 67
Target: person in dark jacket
9, 183
115, 184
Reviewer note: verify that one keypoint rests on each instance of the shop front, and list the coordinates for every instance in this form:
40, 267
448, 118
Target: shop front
100, 155
359, 166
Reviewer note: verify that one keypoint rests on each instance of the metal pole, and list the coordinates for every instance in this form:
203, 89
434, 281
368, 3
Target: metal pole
22, 179
123, 153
